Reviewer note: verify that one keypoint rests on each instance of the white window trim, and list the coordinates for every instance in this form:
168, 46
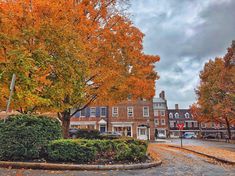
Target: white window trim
171, 116
172, 124
177, 116
203, 125
186, 115
155, 112
163, 113
81, 113
114, 114
190, 124
164, 122
146, 115
94, 111
105, 111
156, 122
131, 107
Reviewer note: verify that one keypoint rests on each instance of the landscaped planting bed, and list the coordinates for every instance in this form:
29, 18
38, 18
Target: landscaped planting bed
97, 151
39, 139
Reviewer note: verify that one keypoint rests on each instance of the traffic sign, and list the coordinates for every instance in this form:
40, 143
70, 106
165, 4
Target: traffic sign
180, 126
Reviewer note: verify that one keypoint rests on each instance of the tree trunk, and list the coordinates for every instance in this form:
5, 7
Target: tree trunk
228, 127
65, 123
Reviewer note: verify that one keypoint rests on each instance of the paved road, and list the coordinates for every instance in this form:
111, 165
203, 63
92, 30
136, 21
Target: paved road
197, 142
175, 163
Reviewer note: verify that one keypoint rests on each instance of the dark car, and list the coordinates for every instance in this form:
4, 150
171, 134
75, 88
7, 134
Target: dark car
210, 136
111, 134
73, 133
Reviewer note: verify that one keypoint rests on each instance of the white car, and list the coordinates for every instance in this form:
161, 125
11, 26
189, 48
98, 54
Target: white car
162, 136
189, 135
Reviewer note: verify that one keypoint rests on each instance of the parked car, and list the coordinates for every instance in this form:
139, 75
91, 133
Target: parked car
111, 134
189, 135
161, 136
210, 136
73, 133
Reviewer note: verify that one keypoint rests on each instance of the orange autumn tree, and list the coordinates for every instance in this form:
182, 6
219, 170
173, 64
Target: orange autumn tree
216, 92
68, 54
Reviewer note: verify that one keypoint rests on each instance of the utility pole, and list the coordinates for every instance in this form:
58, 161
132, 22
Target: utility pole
11, 93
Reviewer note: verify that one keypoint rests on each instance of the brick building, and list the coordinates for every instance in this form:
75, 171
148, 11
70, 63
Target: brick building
130, 118
161, 115
181, 116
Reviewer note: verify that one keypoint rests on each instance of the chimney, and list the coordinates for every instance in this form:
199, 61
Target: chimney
162, 95
176, 106
233, 44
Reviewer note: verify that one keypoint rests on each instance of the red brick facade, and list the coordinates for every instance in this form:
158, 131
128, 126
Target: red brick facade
139, 125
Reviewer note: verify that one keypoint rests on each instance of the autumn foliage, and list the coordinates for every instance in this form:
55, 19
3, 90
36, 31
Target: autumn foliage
216, 92
67, 54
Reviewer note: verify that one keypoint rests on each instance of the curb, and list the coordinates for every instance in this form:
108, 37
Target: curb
51, 166
209, 156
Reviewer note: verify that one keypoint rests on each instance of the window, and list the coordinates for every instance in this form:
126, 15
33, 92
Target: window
155, 113
115, 111
163, 122
186, 115
146, 111
177, 115
212, 124
130, 112
92, 112
190, 124
195, 124
156, 121
171, 116
172, 124
103, 112
162, 113
83, 113
142, 131
203, 125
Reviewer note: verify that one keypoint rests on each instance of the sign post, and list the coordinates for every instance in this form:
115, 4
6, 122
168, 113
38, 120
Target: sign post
181, 127
11, 93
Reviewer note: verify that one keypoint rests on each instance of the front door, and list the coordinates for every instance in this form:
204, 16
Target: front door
142, 133
102, 128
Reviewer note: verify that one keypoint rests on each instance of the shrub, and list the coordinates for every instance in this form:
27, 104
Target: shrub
70, 151
25, 137
83, 150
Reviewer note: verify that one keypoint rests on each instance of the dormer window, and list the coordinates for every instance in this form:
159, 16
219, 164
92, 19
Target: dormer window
171, 116
186, 115
177, 115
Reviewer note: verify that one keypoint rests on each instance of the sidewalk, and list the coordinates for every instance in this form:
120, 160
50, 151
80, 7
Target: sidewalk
212, 152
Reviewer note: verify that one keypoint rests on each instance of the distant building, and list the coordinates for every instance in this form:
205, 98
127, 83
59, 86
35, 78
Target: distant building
161, 124
184, 116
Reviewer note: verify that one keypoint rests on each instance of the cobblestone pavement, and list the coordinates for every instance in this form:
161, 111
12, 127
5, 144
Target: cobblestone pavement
175, 163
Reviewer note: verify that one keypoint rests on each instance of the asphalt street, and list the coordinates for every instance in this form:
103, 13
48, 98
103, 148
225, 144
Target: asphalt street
175, 163
204, 143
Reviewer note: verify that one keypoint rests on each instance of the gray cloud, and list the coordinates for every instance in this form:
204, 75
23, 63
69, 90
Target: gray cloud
185, 33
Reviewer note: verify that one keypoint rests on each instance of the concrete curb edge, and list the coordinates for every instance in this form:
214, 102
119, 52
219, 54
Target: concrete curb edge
209, 156
55, 166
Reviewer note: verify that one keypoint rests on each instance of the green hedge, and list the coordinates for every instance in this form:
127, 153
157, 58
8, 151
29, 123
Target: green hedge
68, 150
82, 150
25, 137
88, 134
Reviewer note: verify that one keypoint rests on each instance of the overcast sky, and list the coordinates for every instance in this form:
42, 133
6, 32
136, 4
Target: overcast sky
185, 34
